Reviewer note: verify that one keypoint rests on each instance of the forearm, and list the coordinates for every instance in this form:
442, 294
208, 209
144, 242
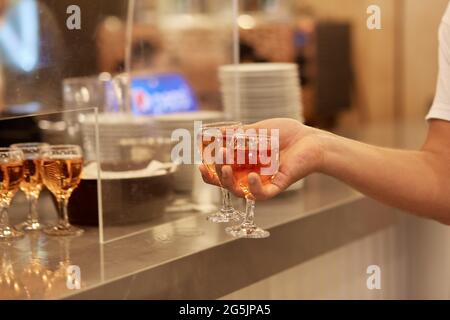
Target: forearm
416, 181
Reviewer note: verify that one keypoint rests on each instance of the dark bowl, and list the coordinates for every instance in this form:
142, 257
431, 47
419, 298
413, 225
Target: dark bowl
124, 201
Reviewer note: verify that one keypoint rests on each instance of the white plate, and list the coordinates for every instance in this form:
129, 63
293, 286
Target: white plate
257, 113
261, 117
268, 103
189, 116
258, 76
260, 81
258, 67
262, 110
254, 120
279, 90
278, 73
262, 84
261, 100
274, 115
261, 94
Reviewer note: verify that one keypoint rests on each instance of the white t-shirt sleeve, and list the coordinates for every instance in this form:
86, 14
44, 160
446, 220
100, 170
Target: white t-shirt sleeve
441, 104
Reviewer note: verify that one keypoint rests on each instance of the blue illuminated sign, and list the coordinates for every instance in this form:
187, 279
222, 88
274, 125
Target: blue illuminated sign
161, 94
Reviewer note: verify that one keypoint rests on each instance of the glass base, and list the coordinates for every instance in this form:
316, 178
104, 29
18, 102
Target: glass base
63, 231
224, 216
30, 226
250, 231
9, 233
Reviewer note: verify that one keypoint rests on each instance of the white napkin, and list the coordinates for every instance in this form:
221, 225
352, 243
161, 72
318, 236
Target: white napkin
154, 168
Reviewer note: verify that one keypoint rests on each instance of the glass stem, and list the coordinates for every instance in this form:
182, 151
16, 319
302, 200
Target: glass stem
32, 213
34, 243
6, 258
249, 212
64, 249
4, 219
226, 200
63, 217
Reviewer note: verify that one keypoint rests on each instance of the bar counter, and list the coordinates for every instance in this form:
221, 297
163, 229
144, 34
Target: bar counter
190, 258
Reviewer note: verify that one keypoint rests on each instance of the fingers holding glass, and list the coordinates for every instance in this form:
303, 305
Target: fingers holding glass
228, 182
260, 190
208, 177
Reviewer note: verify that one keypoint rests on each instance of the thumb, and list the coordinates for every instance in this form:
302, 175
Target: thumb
295, 165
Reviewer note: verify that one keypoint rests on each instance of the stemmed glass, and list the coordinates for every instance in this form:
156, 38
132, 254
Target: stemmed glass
209, 133
31, 184
11, 175
258, 154
61, 172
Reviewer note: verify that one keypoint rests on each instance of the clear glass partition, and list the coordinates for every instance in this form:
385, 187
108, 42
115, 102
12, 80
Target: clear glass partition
56, 171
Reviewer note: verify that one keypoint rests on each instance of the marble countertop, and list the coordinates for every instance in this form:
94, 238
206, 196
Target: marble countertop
190, 258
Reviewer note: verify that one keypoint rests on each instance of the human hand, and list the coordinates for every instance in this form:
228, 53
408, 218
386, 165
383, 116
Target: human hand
301, 153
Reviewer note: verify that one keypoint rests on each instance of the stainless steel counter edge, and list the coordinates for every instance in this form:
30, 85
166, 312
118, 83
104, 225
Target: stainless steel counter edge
224, 268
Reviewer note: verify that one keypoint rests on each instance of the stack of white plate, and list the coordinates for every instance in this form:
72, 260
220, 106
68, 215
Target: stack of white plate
256, 91
112, 127
164, 125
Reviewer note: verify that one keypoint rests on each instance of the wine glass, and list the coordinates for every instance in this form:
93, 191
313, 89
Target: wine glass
61, 172
259, 154
31, 184
208, 134
11, 175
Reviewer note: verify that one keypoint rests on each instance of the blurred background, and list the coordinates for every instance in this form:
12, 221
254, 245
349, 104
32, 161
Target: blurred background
350, 75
